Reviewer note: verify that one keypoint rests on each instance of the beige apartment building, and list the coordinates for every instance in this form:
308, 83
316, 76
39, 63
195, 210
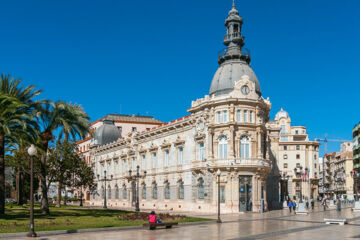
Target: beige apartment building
297, 159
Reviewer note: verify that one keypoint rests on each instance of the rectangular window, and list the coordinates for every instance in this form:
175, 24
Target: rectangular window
225, 119
222, 194
124, 168
251, 116
297, 156
245, 116
315, 165
285, 165
201, 151
219, 117
133, 164
143, 163
283, 139
154, 160
285, 156
238, 115
282, 129
297, 147
285, 147
167, 160
297, 165
296, 132
134, 129
181, 154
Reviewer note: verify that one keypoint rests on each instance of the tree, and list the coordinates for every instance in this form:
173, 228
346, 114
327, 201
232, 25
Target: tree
71, 120
16, 103
85, 177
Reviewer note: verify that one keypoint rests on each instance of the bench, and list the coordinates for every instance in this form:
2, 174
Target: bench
340, 221
153, 226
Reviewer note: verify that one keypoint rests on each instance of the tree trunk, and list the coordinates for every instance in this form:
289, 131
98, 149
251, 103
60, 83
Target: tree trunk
2, 174
44, 190
19, 188
65, 196
58, 200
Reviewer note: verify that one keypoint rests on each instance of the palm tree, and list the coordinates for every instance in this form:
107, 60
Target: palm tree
16, 103
71, 120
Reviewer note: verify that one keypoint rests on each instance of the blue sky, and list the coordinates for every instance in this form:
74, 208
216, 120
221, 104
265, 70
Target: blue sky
154, 57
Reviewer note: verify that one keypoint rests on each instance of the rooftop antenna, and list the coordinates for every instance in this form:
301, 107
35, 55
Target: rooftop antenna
233, 5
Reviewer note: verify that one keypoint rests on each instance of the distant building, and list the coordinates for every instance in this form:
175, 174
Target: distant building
296, 151
338, 168
356, 155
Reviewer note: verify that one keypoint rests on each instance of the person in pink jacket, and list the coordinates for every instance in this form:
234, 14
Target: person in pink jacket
152, 217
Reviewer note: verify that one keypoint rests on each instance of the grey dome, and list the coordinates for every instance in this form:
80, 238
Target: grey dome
281, 114
107, 133
228, 73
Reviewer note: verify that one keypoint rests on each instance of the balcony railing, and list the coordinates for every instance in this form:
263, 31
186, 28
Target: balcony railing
251, 162
233, 36
224, 54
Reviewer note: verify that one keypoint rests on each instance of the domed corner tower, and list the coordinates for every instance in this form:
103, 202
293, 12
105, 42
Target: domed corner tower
235, 116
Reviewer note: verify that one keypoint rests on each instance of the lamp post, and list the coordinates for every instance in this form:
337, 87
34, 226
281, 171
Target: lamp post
284, 178
218, 173
32, 152
137, 176
105, 180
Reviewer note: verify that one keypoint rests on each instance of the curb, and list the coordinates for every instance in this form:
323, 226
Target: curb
89, 230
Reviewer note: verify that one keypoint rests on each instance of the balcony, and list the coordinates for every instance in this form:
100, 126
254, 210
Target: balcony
243, 55
235, 37
246, 162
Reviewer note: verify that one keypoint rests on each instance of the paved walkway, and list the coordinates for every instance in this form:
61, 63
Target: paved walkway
271, 225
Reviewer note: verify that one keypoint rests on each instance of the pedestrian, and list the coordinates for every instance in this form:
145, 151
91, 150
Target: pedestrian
312, 203
290, 205
324, 204
307, 204
294, 206
338, 204
250, 205
152, 217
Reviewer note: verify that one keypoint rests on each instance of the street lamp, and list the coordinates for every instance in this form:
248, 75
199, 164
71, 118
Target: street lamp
137, 176
284, 181
32, 152
218, 173
105, 179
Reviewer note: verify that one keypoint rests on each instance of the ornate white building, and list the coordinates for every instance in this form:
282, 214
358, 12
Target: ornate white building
227, 130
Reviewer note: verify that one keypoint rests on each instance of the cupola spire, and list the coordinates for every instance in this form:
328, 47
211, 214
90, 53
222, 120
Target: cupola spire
233, 38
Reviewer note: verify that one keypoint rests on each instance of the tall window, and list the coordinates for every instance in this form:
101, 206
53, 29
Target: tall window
225, 118
155, 191
144, 191
244, 147
154, 160
222, 147
251, 116
109, 192
124, 192
124, 168
133, 164
285, 156
282, 129
297, 147
238, 115
285, 147
181, 190
285, 165
166, 158
219, 117
167, 190
116, 192
245, 115
143, 162
201, 189
181, 155
201, 151
222, 194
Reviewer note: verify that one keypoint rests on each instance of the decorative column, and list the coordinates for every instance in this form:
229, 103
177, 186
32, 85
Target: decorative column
211, 151
232, 152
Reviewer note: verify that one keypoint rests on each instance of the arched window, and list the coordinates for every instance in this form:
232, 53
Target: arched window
116, 192
144, 191
222, 149
244, 147
181, 189
124, 192
109, 192
201, 188
155, 191
167, 190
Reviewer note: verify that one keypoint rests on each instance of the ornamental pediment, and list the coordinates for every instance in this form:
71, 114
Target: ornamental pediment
165, 144
153, 147
179, 141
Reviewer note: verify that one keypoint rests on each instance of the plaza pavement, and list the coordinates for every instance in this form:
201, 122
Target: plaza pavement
270, 225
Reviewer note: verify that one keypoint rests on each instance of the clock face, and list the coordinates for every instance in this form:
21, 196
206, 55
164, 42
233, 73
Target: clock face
245, 90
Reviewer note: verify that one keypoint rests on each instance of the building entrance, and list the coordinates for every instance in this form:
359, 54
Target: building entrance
245, 193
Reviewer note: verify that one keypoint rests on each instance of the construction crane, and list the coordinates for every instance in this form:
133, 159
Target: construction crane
326, 140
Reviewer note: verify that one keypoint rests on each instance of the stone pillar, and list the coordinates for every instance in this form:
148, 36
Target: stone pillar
232, 143
259, 150
210, 144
